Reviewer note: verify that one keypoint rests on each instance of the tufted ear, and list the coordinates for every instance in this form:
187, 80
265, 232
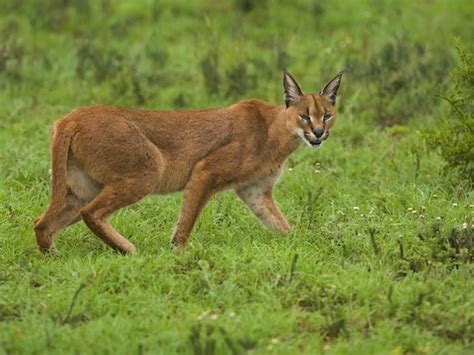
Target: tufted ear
293, 92
330, 89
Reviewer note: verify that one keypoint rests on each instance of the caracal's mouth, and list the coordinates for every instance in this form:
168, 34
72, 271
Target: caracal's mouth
312, 140
316, 142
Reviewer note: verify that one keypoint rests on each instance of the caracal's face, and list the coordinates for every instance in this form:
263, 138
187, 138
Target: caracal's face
311, 116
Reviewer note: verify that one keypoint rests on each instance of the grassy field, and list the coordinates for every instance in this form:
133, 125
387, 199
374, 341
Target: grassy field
380, 256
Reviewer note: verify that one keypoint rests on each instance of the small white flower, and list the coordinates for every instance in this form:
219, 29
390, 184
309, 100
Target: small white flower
214, 316
409, 209
438, 218
464, 226
356, 208
290, 169
435, 196
414, 211
422, 216
317, 171
203, 315
454, 204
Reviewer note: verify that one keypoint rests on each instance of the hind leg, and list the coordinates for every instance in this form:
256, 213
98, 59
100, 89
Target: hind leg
55, 219
113, 197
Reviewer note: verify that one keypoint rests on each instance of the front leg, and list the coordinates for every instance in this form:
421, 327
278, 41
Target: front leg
258, 196
197, 193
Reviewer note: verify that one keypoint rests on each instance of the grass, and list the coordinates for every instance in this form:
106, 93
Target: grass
380, 256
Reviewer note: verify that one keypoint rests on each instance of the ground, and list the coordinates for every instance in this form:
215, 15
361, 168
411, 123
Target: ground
380, 256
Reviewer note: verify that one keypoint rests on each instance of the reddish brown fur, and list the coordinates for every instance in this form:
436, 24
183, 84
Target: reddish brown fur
105, 158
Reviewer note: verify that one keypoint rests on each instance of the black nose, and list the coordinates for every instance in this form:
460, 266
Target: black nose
318, 132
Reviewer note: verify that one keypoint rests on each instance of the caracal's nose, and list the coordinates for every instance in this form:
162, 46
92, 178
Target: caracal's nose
318, 132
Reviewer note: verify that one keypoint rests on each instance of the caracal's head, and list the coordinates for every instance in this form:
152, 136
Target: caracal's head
311, 116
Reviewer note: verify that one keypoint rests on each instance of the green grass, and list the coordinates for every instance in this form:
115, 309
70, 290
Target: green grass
380, 256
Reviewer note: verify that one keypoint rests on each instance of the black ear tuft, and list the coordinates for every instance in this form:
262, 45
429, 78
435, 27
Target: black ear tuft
330, 89
293, 92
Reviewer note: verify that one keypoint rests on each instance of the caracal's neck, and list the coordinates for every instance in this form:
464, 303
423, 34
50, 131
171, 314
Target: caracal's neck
285, 140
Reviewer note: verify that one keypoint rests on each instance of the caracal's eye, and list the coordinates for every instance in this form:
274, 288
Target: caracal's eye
327, 116
306, 118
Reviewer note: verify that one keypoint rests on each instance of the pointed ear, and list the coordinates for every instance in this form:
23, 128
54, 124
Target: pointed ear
330, 89
293, 92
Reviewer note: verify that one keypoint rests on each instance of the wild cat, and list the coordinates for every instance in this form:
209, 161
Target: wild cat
105, 158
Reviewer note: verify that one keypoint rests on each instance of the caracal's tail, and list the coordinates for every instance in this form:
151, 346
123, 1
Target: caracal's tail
60, 143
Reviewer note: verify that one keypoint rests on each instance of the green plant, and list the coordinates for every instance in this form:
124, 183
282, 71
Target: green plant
454, 134
398, 79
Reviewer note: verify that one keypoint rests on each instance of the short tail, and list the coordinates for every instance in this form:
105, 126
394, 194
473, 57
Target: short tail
60, 144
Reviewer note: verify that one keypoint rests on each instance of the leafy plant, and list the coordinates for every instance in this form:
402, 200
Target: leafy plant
398, 79
454, 134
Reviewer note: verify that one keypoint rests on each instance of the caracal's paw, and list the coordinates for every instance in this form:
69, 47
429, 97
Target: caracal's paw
129, 249
177, 246
44, 239
284, 228
280, 226
51, 250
